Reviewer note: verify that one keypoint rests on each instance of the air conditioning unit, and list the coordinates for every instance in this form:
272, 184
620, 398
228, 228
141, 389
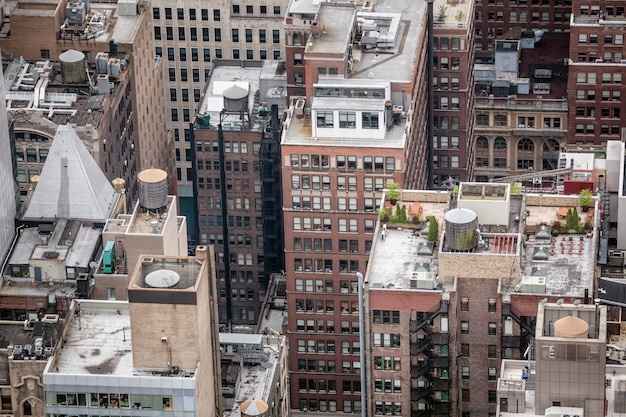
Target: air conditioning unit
623, 61
599, 61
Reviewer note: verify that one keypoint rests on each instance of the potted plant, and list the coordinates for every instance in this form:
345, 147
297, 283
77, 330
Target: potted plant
393, 192
585, 200
443, 14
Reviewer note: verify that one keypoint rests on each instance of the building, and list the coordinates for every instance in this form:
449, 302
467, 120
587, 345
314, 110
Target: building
60, 232
441, 312
453, 84
521, 109
153, 227
96, 115
596, 59
505, 18
113, 38
167, 366
568, 370
8, 208
238, 187
359, 126
190, 38
254, 374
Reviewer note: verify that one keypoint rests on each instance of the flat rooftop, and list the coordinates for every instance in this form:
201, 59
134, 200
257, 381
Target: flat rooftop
256, 381
394, 259
511, 373
224, 76
97, 341
139, 221
565, 261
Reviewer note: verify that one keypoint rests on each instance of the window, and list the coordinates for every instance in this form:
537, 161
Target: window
324, 119
492, 396
491, 306
465, 395
492, 351
275, 36
482, 120
216, 15
235, 35
347, 120
464, 327
369, 120
491, 329
465, 372
156, 13
168, 13
464, 304
492, 374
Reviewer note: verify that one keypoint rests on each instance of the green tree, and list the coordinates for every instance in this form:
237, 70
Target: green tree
433, 229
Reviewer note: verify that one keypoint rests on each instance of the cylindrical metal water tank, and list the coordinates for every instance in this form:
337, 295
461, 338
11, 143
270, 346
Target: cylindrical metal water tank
152, 188
254, 408
73, 67
236, 99
461, 226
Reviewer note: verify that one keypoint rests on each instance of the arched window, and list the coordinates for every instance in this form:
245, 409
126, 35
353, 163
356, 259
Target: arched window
499, 144
482, 143
28, 409
526, 145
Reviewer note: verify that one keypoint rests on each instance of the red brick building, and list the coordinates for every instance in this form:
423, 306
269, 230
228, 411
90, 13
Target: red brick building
356, 122
596, 67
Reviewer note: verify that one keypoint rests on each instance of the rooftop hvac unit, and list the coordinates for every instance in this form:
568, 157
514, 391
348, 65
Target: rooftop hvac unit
76, 12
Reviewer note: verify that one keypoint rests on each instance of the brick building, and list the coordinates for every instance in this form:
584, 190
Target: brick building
596, 67
521, 107
453, 156
190, 36
501, 19
440, 316
43, 31
251, 247
358, 125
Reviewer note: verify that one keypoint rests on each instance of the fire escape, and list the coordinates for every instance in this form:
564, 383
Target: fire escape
430, 383
526, 325
271, 195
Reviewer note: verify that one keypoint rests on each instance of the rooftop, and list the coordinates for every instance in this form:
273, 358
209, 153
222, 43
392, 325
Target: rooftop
256, 380
559, 266
71, 184
97, 340
76, 249
140, 221
60, 103
405, 251
225, 75
512, 378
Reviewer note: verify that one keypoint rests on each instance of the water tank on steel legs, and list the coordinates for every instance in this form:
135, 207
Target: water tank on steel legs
461, 226
236, 99
152, 188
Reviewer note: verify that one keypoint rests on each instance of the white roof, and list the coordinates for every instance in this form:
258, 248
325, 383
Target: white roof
71, 184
